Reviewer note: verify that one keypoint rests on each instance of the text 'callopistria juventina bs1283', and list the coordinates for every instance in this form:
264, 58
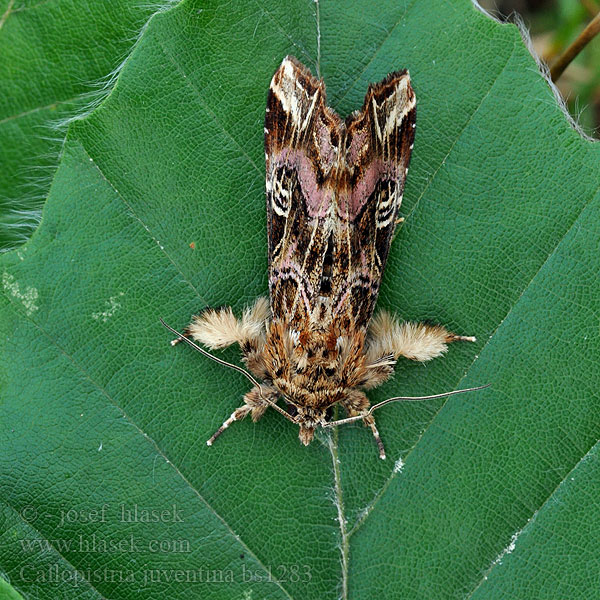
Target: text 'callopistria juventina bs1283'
334, 188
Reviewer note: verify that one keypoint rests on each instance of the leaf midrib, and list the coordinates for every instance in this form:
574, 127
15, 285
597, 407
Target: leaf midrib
361, 520
81, 369
345, 535
525, 288
282, 30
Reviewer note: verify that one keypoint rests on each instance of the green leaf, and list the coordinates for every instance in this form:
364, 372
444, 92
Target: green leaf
7, 592
53, 56
490, 495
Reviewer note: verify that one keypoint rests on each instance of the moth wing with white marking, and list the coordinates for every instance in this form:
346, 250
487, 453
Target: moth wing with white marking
378, 143
301, 145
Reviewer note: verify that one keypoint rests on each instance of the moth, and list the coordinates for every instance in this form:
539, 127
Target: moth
333, 190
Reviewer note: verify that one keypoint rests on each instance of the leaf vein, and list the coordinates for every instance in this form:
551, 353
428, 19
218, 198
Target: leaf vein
205, 106
137, 218
376, 52
534, 515
53, 546
82, 370
40, 108
286, 34
379, 494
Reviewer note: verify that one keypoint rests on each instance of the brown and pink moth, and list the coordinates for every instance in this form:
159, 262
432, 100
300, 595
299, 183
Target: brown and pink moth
333, 191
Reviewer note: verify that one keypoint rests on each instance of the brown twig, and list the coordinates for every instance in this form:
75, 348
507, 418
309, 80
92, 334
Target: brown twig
591, 6
563, 61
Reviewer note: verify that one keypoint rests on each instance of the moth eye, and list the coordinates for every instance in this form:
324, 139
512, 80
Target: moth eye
291, 410
330, 371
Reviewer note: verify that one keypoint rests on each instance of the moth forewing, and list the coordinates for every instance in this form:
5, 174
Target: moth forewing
333, 191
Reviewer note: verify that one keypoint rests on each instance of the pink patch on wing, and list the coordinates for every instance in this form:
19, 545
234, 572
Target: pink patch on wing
351, 202
317, 199
326, 148
359, 141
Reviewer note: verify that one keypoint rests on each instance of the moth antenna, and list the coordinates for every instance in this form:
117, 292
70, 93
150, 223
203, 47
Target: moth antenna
224, 363
402, 399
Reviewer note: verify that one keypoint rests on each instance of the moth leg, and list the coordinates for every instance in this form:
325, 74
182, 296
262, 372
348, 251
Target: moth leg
357, 403
416, 341
370, 422
237, 415
185, 333
254, 404
399, 220
219, 328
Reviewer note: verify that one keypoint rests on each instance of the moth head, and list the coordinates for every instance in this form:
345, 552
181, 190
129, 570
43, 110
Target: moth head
306, 434
309, 418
